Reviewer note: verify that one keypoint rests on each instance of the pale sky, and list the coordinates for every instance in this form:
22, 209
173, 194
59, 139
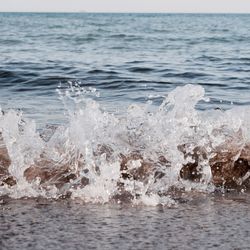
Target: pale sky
225, 6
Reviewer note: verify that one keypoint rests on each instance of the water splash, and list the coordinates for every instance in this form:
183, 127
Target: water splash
142, 157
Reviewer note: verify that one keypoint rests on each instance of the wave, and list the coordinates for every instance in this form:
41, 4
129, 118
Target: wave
147, 155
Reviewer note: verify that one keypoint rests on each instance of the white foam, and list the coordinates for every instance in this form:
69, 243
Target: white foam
153, 134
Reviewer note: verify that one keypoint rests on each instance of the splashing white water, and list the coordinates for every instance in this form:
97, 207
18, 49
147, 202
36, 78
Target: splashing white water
94, 143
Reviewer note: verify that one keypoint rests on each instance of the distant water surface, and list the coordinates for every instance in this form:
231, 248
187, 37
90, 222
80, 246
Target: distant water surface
128, 57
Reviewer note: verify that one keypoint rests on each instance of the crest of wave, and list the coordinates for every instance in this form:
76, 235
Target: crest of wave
93, 143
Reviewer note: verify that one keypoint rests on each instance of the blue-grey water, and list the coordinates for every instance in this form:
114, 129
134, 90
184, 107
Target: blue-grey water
128, 58
125, 56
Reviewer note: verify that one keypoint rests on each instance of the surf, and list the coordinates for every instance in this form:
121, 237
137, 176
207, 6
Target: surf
146, 155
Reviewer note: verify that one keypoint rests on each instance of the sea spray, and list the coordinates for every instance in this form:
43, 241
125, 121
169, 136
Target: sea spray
98, 156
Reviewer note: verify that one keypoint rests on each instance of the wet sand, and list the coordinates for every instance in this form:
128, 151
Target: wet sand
199, 221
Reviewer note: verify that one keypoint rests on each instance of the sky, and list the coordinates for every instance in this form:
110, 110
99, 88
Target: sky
211, 6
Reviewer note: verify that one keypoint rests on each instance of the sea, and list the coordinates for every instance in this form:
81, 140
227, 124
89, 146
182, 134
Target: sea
99, 112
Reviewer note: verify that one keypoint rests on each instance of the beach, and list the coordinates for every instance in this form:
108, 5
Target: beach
124, 130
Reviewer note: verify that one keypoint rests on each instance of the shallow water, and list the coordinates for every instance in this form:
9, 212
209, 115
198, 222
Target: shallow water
199, 222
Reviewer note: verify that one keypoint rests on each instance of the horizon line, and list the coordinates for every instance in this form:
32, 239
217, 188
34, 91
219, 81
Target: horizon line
121, 12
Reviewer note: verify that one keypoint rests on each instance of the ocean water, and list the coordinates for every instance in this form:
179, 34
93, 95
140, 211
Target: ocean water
128, 57
128, 130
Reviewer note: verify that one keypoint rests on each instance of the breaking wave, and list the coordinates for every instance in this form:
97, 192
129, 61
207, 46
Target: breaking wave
148, 155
